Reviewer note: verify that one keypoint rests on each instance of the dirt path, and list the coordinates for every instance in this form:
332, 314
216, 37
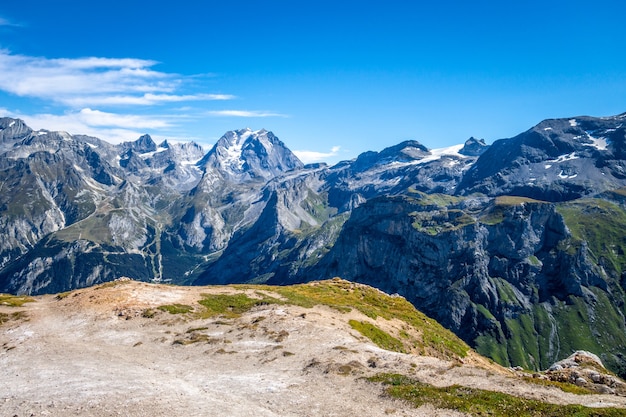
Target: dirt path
94, 354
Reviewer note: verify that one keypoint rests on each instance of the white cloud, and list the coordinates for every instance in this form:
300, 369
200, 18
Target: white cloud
147, 99
313, 156
93, 81
245, 113
100, 118
85, 96
111, 127
6, 22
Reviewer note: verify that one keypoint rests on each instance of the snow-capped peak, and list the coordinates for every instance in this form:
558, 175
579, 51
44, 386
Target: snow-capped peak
245, 153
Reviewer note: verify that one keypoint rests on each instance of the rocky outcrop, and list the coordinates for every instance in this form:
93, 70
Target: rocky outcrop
474, 147
585, 369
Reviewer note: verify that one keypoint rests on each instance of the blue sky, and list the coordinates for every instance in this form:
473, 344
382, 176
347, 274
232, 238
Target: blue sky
331, 79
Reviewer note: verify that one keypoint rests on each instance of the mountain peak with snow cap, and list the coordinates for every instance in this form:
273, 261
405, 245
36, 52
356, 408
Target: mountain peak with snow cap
247, 154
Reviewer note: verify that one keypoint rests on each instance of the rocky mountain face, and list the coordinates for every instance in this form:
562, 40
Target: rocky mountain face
518, 247
507, 274
554, 161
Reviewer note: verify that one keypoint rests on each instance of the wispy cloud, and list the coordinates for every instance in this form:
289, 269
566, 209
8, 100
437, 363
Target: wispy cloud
101, 96
144, 100
245, 113
111, 127
93, 95
100, 118
6, 22
93, 81
313, 156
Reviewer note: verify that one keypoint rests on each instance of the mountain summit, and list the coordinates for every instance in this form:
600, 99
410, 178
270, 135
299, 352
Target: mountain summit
245, 154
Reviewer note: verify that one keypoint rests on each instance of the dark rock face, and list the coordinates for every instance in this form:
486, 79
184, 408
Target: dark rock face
557, 160
500, 274
474, 147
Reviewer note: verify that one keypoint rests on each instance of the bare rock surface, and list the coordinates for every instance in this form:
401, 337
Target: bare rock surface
109, 351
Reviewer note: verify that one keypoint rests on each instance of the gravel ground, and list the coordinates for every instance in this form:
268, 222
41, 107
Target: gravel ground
93, 353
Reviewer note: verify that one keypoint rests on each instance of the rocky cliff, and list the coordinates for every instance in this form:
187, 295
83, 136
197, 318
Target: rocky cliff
506, 274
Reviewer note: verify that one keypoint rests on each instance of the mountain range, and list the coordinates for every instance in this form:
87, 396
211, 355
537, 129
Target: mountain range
517, 247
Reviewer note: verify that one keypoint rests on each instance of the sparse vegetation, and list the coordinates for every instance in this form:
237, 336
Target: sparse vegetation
232, 305
479, 402
14, 300
563, 386
381, 338
17, 315
436, 199
344, 296
63, 295
194, 338
534, 261
197, 329
176, 308
600, 223
344, 349
496, 213
112, 284
512, 200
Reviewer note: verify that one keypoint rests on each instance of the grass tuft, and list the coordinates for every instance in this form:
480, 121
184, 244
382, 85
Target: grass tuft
17, 315
232, 305
381, 338
15, 300
176, 308
480, 402
563, 386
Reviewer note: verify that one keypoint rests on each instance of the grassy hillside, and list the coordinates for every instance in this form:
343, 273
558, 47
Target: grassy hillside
417, 333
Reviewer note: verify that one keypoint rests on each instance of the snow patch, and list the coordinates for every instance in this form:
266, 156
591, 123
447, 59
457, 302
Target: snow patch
548, 166
573, 123
193, 162
151, 154
547, 128
12, 123
93, 184
261, 136
564, 158
600, 144
436, 154
232, 157
565, 176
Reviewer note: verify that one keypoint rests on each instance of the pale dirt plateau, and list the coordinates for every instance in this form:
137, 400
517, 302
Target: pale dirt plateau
92, 353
